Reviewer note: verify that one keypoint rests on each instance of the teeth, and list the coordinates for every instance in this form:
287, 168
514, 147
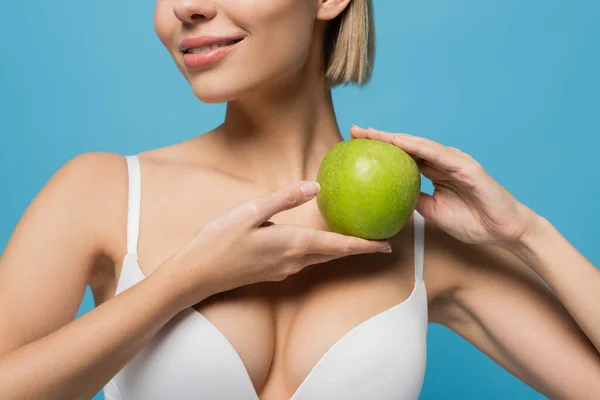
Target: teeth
205, 48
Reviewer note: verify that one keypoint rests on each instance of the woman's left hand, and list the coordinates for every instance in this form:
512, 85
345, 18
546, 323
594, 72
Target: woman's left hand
467, 202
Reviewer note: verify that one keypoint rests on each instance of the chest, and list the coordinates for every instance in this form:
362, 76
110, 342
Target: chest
285, 335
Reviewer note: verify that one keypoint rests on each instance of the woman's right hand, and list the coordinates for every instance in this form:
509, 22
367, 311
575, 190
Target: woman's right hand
241, 246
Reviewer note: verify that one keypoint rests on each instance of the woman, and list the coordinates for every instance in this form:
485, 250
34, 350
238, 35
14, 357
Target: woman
215, 276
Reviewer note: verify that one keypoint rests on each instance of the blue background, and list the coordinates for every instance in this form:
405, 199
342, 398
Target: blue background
512, 82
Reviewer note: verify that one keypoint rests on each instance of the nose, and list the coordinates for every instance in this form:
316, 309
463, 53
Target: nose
193, 11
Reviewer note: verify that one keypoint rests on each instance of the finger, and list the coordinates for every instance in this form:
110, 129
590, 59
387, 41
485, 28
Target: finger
356, 131
457, 151
436, 153
433, 173
335, 244
426, 206
370, 133
261, 209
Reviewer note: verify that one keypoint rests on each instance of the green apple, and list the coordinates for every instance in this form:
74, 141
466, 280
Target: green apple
369, 188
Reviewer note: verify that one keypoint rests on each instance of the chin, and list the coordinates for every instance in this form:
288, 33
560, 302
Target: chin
213, 90
218, 87
214, 97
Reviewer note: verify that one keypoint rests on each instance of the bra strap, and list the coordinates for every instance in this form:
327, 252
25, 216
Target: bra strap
419, 241
134, 203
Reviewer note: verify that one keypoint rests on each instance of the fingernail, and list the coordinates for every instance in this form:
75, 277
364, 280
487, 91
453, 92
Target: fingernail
386, 249
310, 188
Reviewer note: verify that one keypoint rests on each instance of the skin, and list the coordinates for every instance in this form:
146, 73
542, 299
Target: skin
486, 254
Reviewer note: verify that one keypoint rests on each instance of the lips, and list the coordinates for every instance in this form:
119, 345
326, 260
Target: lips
207, 42
206, 50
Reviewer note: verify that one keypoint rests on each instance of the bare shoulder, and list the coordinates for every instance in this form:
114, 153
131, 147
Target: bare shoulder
52, 251
75, 174
85, 182
75, 201
92, 177
74, 208
90, 191
93, 187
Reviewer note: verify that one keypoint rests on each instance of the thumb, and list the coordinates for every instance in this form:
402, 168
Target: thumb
426, 206
286, 198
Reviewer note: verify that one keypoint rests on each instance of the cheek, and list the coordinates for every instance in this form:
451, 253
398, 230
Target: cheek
164, 22
281, 30
167, 27
280, 40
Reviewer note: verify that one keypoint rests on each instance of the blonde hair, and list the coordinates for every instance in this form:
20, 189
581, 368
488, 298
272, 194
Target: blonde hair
350, 45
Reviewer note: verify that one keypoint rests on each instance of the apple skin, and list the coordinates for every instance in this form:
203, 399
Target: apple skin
369, 188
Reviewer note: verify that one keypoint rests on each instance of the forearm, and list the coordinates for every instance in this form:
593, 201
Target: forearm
76, 361
573, 279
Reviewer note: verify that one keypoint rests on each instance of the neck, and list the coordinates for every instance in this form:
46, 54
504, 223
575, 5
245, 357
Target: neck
282, 138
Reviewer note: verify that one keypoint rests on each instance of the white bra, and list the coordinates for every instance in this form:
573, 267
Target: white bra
383, 358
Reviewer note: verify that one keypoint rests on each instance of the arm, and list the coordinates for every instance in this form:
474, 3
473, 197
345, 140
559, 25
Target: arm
43, 274
572, 278
544, 337
495, 250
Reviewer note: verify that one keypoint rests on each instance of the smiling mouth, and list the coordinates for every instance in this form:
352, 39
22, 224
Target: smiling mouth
202, 49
